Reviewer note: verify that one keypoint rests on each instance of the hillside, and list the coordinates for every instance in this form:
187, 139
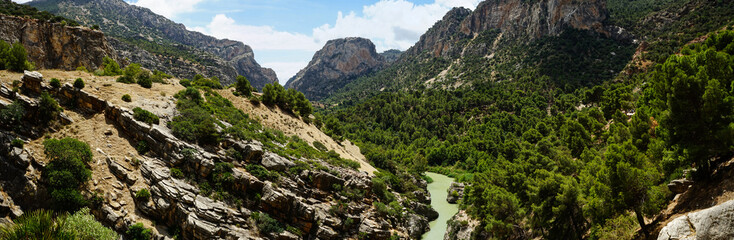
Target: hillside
161, 44
279, 175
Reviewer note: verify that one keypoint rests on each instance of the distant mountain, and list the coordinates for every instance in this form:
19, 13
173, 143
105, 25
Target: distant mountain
391, 55
498, 39
159, 43
339, 62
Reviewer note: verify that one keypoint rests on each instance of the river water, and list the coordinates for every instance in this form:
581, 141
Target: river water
439, 191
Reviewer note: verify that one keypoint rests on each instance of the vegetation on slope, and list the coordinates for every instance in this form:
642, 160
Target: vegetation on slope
8, 7
46, 225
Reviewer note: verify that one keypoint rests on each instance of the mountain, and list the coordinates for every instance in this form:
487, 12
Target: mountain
391, 55
161, 44
339, 62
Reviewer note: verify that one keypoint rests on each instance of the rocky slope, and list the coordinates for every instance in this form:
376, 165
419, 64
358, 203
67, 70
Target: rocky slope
339, 62
315, 202
164, 41
53, 45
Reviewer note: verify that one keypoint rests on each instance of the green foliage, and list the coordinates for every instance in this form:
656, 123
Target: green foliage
177, 173
82, 69
86, 227
55, 83
17, 143
39, 224
110, 67
79, 83
14, 57
142, 147
13, 114
194, 123
267, 224
14, 9
139, 232
243, 86
289, 100
201, 81
145, 116
127, 98
134, 73
67, 171
260, 172
143, 195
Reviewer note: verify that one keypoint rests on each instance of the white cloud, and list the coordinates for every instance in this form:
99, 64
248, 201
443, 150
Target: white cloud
258, 37
168, 8
285, 70
390, 24
21, 1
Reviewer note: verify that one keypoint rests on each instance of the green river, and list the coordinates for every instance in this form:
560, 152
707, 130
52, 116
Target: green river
438, 189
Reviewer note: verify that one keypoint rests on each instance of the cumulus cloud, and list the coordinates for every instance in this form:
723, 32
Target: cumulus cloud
21, 1
168, 8
390, 24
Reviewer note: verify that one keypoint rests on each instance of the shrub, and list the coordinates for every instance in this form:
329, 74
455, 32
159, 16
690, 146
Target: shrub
143, 194
177, 173
144, 79
48, 108
55, 83
320, 146
127, 98
142, 147
95, 27
243, 86
16, 59
13, 114
17, 143
267, 224
111, 67
87, 227
132, 74
82, 69
79, 83
145, 116
139, 232
67, 172
38, 224
185, 82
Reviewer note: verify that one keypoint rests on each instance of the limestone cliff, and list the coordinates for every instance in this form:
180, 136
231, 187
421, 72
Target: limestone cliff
339, 62
53, 45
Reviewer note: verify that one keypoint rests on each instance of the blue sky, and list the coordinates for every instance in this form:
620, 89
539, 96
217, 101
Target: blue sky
285, 34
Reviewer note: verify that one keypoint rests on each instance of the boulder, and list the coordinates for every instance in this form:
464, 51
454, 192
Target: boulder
712, 223
374, 230
325, 181
32, 81
275, 162
424, 210
416, 225
121, 172
679, 185
455, 192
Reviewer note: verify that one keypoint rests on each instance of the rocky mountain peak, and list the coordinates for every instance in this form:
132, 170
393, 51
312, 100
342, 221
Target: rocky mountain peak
339, 62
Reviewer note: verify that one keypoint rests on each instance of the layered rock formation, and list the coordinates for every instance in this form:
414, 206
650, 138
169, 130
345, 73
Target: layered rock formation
339, 62
53, 45
187, 52
311, 201
712, 223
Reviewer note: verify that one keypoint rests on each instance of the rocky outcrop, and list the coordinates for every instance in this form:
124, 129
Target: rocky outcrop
712, 223
391, 55
196, 53
536, 18
514, 18
53, 45
456, 192
463, 226
679, 185
338, 63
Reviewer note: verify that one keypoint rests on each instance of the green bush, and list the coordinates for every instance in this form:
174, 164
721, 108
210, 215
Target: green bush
17, 143
185, 82
139, 232
143, 194
177, 173
87, 227
48, 108
111, 67
243, 86
67, 172
13, 114
38, 224
320, 146
55, 83
144, 79
201, 81
79, 83
82, 69
142, 147
145, 116
127, 98
260, 172
267, 224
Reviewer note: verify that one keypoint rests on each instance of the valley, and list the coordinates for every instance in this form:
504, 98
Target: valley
513, 119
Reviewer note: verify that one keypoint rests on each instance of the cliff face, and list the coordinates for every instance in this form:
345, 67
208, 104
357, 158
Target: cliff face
52, 45
176, 50
339, 62
514, 18
536, 18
